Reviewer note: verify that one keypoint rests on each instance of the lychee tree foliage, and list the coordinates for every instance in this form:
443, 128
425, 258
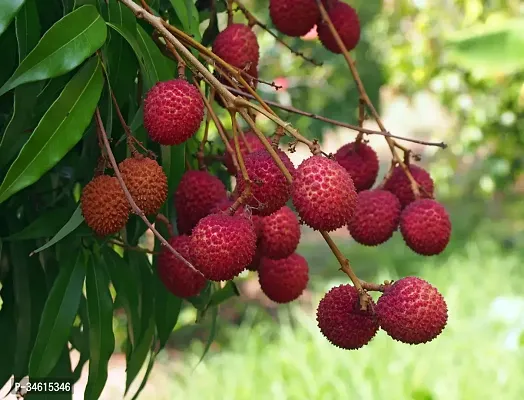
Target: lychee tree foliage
103, 102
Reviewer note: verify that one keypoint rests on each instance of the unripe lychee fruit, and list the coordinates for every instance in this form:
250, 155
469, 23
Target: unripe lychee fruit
146, 181
425, 227
323, 193
283, 280
196, 195
361, 161
294, 17
280, 234
222, 246
238, 46
104, 205
270, 189
176, 276
251, 140
412, 311
398, 184
173, 111
341, 320
346, 22
376, 217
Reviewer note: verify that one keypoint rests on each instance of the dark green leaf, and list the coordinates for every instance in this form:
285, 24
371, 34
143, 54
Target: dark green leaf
101, 337
9, 47
60, 129
223, 294
139, 355
211, 31
46, 225
49, 94
212, 333
8, 10
188, 16
27, 28
150, 364
68, 6
73, 223
167, 309
7, 333
173, 162
65, 46
58, 316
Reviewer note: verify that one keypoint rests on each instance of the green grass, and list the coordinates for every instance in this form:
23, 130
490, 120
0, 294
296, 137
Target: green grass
480, 354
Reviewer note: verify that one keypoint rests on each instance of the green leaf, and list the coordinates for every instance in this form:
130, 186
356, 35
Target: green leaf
68, 6
173, 163
8, 10
188, 15
490, 50
66, 45
58, 316
73, 223
27, 28
223, 294
44, 226
167, 309
212, 334
9, 47
101, 337
49, 94
7, 333
139, 355
59, 130
62, 370
150, 364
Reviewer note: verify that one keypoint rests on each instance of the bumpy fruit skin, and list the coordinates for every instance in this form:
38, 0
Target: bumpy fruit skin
270, 189
176, 276
283, 280
346, 22
254, 145
323, 193
223, 246
238, 46
280, 234
412, 311
294, 17
376, 217
104, 205
146, 181
257, 258
196, 195
173, 111
425, 227
342, 322
361, 161
398, 184
222, 208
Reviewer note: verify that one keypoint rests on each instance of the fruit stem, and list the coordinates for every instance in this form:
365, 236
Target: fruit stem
200, 153
375, 287
277, 136
246, 193
229, 12
129, 198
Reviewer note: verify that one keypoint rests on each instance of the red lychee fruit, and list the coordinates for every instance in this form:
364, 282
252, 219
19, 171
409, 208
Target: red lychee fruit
425, 227
146, 181
398, 184
376, 217
222, 246
173, 111
323, 193
361, 161
104, 205
280, 234
341, 320
294, 17
283, 280
223, 206
251, 140
346, 22
176, 276
412, 311
196, 195
270, 189
238, 46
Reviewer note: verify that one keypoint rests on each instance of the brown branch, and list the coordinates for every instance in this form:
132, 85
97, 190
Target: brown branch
162, 218
246, 193
201, 153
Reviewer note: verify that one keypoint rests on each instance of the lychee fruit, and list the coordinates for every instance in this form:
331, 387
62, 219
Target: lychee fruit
323, 193
104, 205
238, 46
270, 189
425, 227
173, 111
252, 141
294, 17
346, 22
176, 276
257, 258
283, 280
412, 311
223, 208
341, 320
361, 161
196, 195
399, 184
222, 246
146, 181
280, 234
376, 217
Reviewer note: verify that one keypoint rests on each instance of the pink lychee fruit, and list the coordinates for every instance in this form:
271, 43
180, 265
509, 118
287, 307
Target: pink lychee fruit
223, 208
238, 46
361, 161
341, 320
251, 141
412, 311
294, 17
346, 22
280, 234
399, 184
426, 227
323, 193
